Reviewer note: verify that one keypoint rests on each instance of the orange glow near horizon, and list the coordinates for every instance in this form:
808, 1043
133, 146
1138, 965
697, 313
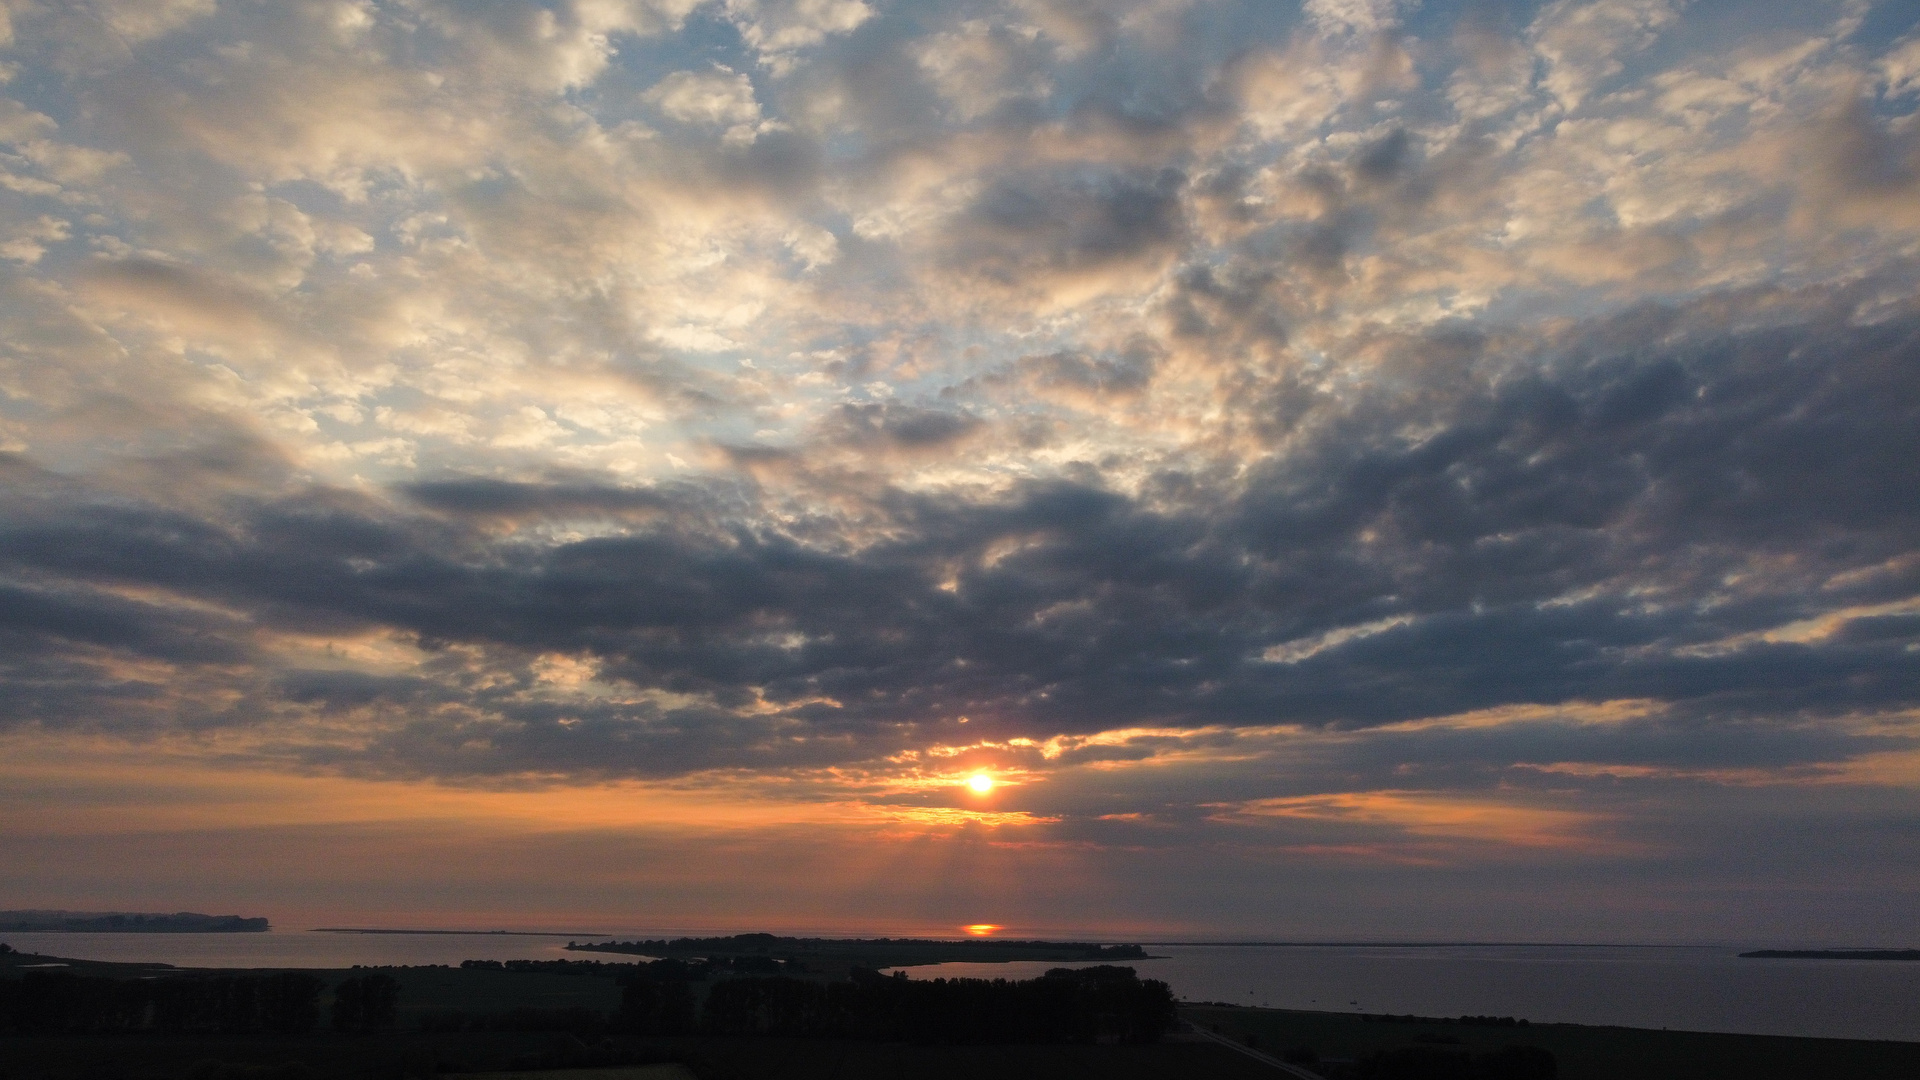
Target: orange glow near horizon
63, 786
1444, 816
984, 929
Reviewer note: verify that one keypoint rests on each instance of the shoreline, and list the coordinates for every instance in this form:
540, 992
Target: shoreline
467, 933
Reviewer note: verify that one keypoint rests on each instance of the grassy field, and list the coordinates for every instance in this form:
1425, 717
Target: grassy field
1583, 1052
825, 1059
433, 989
320, 1056
403, 1055
671, 1071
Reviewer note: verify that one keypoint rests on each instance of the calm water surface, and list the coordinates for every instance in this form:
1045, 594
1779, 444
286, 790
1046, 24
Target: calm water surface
1699, 989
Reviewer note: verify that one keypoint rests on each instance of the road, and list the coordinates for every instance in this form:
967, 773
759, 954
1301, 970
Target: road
1268, 1059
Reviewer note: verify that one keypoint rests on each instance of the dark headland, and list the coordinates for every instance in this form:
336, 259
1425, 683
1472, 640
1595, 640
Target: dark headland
128, 922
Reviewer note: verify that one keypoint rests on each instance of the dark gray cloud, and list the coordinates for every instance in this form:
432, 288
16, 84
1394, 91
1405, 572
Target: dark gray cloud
1062, 222
1560, 531
905, 426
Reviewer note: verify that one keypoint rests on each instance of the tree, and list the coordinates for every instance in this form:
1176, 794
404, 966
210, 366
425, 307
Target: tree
365, 1002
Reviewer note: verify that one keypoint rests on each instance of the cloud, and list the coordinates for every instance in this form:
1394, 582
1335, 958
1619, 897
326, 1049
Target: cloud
719, 98
1442, 431
777, 28
1583, 44
1482, 565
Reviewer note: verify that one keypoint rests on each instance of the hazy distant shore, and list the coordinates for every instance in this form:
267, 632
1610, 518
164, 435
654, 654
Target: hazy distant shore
127, 922
1832, 954
491, 933
1229, 944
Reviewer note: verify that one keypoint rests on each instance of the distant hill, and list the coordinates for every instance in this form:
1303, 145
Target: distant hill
127, 922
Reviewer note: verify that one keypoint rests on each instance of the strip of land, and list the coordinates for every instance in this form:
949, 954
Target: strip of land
1833, 954
1416, 945
470, 933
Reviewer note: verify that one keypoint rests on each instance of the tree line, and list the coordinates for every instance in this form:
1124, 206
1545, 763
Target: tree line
1098, 1004
1086, 1005
279, 1003
866, 952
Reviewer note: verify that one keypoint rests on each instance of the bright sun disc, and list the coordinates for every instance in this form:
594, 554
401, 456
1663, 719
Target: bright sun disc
980, 782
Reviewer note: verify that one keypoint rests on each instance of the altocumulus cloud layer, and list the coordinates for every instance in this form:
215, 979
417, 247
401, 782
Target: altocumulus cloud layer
1368, 446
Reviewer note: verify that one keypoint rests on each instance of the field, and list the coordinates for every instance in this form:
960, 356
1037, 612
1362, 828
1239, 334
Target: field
1583, 1052
397, 1055
670, 1071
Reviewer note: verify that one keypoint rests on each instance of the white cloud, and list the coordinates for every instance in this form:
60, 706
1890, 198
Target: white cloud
1584, 42
28, 241
1352, 16
720, 96
778, 28
979, 65
141, 20
1900, 67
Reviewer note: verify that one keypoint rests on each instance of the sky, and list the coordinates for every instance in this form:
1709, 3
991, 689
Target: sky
1361, 469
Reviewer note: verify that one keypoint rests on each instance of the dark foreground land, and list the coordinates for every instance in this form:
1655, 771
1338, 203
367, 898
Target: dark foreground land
720, 1020
559, 1057
1341, 1045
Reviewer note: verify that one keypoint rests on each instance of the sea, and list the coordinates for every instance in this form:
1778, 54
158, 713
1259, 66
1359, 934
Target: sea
1692, 988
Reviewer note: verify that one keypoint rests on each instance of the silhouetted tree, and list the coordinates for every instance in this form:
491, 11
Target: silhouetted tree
656, 1006
62, 1002
290, 1002
365, 1002
49, 1003
1064, 1006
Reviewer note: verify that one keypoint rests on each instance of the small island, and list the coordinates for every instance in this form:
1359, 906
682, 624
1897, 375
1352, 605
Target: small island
128, 922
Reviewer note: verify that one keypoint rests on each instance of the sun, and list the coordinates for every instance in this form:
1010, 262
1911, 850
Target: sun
980, 782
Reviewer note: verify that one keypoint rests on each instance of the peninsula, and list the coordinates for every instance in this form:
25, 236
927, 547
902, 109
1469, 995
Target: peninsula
127, 922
